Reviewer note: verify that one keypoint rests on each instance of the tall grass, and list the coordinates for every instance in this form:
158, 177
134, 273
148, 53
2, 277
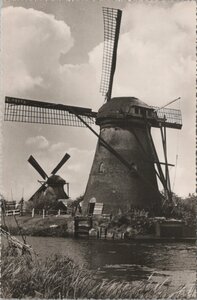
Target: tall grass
59, 277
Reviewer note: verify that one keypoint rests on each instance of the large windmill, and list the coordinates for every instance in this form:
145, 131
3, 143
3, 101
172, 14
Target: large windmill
126, 164
52, 187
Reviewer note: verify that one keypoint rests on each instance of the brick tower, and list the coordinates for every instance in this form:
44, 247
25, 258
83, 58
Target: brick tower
124, 125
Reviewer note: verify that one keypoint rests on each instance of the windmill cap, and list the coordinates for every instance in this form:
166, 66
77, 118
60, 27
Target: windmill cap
119, 106
55, 180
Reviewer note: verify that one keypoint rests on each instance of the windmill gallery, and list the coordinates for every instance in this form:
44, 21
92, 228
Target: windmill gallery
126, 167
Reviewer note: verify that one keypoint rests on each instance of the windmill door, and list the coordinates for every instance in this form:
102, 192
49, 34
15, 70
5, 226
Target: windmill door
95, 208
91, 206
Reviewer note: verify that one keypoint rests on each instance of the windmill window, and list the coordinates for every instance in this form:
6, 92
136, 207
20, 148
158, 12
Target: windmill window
101, 168
149, 113
144, 112
131, 110
137, 110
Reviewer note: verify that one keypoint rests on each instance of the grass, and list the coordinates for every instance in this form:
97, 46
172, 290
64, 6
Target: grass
38, 226
59, 277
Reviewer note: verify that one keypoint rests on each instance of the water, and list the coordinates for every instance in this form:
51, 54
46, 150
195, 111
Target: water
126, 260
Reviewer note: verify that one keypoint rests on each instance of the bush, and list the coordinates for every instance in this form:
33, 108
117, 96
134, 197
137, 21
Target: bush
135, 222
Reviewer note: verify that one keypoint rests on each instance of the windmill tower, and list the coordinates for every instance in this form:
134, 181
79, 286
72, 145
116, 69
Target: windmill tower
122, 126
126, 164
52, 188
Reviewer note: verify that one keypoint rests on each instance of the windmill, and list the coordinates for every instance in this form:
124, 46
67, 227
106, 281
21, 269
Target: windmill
126, 164
53, 186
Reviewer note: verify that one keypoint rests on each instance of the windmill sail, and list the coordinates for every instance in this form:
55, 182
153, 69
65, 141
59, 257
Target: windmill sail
112, 20
31, 111
53, 185
169, 117
64, 159
36, 166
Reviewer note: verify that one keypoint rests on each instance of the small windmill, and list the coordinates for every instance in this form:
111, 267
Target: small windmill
52, 186
126, 163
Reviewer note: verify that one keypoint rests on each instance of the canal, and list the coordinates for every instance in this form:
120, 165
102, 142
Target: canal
126, 260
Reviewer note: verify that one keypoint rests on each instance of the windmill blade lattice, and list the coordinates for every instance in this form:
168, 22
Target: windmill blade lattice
169, 117
63, 160
37, 167
31, 111
112, 20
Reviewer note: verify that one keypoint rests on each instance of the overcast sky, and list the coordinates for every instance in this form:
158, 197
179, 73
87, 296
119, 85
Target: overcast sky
52, 51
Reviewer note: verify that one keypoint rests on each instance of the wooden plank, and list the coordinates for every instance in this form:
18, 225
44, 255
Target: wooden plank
12, 212
98, 209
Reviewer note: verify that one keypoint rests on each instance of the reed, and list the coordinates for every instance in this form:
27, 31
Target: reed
59, 277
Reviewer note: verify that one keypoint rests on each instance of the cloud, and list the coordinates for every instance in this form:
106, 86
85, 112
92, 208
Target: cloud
61, 146
155, 55
156, 52
32, 46
39, 142
32, 42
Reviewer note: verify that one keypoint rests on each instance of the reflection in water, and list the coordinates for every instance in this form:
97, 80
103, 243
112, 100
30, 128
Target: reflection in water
133, 260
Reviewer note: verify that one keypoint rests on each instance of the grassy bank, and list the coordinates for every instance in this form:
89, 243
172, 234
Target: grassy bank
60, 277
37, 226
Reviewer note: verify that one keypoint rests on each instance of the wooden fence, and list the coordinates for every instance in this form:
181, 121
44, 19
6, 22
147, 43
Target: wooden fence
12, 212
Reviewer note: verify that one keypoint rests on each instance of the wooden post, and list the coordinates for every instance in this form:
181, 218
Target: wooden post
167, 170
156, 159
157, 229
105, 232
99, 232
167, 176
43, 213
67, 185
32, 213
59, 212
76, 227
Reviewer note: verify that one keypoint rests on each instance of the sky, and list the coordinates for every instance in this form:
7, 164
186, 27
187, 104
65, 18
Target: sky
52, 51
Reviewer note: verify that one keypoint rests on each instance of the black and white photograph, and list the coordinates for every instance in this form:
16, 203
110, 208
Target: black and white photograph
98, 156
